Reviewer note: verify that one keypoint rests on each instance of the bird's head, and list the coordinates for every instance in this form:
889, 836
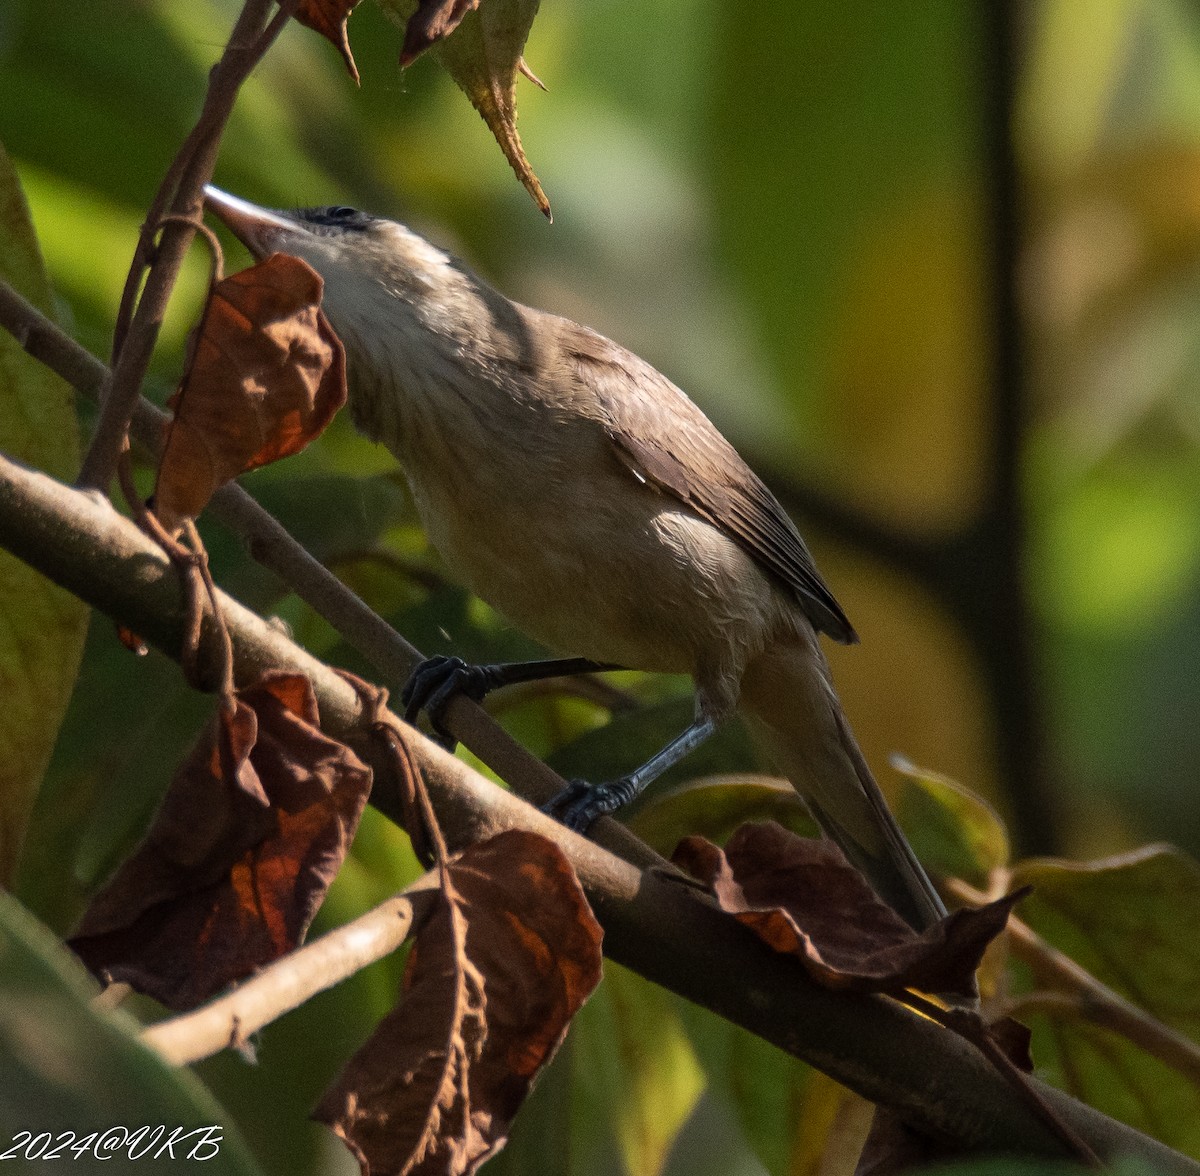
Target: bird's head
363, 259
413, 320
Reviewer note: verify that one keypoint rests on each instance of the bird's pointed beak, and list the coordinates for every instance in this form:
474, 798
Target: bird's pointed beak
259, 229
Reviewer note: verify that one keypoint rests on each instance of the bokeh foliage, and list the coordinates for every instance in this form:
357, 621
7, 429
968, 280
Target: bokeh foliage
785, 208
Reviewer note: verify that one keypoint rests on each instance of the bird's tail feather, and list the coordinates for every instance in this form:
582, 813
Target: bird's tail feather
789, 693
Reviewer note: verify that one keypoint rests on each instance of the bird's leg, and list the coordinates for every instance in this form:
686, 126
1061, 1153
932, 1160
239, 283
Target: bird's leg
580, 803
437, 680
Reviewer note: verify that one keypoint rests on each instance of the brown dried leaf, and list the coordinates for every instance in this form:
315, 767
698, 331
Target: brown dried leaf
433, 21
329, 17
135, 644
1013, 1039
438, 1084
483, 56
802, 897
893, 1146
251, 833
267, 374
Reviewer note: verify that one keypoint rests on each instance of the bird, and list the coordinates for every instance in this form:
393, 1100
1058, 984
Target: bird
585, 497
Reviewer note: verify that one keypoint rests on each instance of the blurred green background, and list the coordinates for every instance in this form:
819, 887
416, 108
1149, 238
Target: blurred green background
933, 266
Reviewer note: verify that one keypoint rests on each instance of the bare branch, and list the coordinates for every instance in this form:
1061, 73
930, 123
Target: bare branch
270, 544
179, 199
286, 984
1074, 991
935, 1080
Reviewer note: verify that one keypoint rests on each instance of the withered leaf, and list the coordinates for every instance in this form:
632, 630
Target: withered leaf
481, 47
251, 833
802, 897
893, 1147
435, 1088
267, 374
433, 21
1013, 1039
329, 17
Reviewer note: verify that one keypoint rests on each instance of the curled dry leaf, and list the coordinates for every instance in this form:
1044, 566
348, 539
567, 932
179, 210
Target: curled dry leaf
493, 981
802, 897
483, 56
893, 1147
267, 374
251, 833
329, 17
433, 21
1013, 1039
135, 644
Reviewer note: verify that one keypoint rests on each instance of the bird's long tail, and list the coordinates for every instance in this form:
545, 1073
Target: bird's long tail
788, 693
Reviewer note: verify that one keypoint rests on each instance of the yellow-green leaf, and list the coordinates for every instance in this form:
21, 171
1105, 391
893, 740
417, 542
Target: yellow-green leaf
1134, 923
954, 832
41, 627
630, 1049
716, 805
797, 1121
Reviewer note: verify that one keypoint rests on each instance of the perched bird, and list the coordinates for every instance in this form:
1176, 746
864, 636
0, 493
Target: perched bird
581, 494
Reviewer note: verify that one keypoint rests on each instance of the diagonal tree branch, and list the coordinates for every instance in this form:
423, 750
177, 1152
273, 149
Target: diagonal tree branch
175, 208
1072, 991
230, 1020
270, 544
664, 931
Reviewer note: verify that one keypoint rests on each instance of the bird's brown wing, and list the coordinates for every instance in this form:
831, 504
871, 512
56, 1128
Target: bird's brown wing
667, 441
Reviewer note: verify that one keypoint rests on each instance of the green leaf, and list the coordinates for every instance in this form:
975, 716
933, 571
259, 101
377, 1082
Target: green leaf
635, 1069
1027, 1166
624, 1084
66, 1067
1134, 923
715, 806
41, 638
954, 832
796, 1120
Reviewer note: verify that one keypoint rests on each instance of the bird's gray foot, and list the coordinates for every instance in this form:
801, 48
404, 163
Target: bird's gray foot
435, 682
580, 803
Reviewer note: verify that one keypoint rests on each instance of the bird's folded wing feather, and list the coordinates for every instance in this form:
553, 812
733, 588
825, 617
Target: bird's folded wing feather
663, 437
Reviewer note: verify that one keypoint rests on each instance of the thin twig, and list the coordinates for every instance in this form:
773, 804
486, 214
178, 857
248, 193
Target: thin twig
286, 984
970, 1026
411, 569
179, 195
1089, 999
941, 1085
191, 562
588, 687
47, 342
269, 543
209, 237
225, 642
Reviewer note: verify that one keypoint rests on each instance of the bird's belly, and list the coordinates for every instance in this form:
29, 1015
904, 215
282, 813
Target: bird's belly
648, 586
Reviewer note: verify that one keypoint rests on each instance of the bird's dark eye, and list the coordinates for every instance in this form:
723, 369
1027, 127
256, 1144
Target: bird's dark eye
334, 218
